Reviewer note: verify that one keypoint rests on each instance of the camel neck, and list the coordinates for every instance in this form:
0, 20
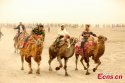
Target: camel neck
71, 50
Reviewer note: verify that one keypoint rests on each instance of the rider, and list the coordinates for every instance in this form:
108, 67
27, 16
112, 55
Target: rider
35, 33
39, 31
63, 35
21, 28
86, 34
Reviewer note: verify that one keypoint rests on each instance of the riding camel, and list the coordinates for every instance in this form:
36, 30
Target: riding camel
33, 48
91, 49
62, 53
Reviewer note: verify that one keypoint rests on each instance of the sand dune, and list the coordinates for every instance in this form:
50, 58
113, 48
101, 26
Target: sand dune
113, 61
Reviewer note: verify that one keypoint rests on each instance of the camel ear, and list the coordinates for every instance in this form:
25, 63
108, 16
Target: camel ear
99, 37
105, 38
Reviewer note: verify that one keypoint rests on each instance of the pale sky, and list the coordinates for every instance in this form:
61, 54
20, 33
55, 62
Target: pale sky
63, 11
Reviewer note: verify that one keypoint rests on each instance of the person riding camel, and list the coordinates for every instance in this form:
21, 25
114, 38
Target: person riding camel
21, 28
85, 35
36, 33
63, 35
39, 31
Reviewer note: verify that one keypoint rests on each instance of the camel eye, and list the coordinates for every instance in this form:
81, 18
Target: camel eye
105, 38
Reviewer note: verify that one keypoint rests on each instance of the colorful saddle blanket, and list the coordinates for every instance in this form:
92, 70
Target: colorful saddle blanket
78, 49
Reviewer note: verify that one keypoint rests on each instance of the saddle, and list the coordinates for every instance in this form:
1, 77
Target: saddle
58, 44
79, 50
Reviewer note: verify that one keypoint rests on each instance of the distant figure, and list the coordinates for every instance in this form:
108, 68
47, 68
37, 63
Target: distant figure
48, 29
1, 34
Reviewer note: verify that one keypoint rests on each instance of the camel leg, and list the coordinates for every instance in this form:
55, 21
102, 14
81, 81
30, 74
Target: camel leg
77, 56
22, 59
28, 59
81, 60
87, 61
38, 70
50, 60
15, 47
37, 60
65, 66
98, 63
30, 72
60, 62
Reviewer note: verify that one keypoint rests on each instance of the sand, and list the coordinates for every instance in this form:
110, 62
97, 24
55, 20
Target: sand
113, 60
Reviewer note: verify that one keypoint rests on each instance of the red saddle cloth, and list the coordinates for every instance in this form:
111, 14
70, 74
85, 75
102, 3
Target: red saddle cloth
31, 39
78, 50
87, 44
38, 36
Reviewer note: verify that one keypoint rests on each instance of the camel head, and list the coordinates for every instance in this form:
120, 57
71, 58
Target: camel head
102, 38
73, 40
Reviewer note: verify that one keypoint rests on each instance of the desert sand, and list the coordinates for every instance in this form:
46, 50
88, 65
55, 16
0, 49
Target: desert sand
113, 60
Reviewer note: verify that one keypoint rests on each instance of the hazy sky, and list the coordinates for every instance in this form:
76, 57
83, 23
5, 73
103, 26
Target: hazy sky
63, 11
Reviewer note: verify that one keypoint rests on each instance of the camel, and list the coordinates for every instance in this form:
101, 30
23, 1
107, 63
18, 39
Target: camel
62, 53
32, 49
95, 51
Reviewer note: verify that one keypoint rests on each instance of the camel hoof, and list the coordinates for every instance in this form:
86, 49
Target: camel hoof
76, 69
30, 72
22, 68
37, 72
57, 68
87, 73
85, 68
50, 69
66, 74
94, 69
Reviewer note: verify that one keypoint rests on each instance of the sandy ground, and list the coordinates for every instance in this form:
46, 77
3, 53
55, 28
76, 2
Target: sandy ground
113, 61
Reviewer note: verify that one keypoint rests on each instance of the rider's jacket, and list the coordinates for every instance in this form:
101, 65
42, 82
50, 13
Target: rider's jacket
19, 27
86, 34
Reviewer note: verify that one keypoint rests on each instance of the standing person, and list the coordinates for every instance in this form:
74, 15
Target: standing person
21, 28
86, 34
